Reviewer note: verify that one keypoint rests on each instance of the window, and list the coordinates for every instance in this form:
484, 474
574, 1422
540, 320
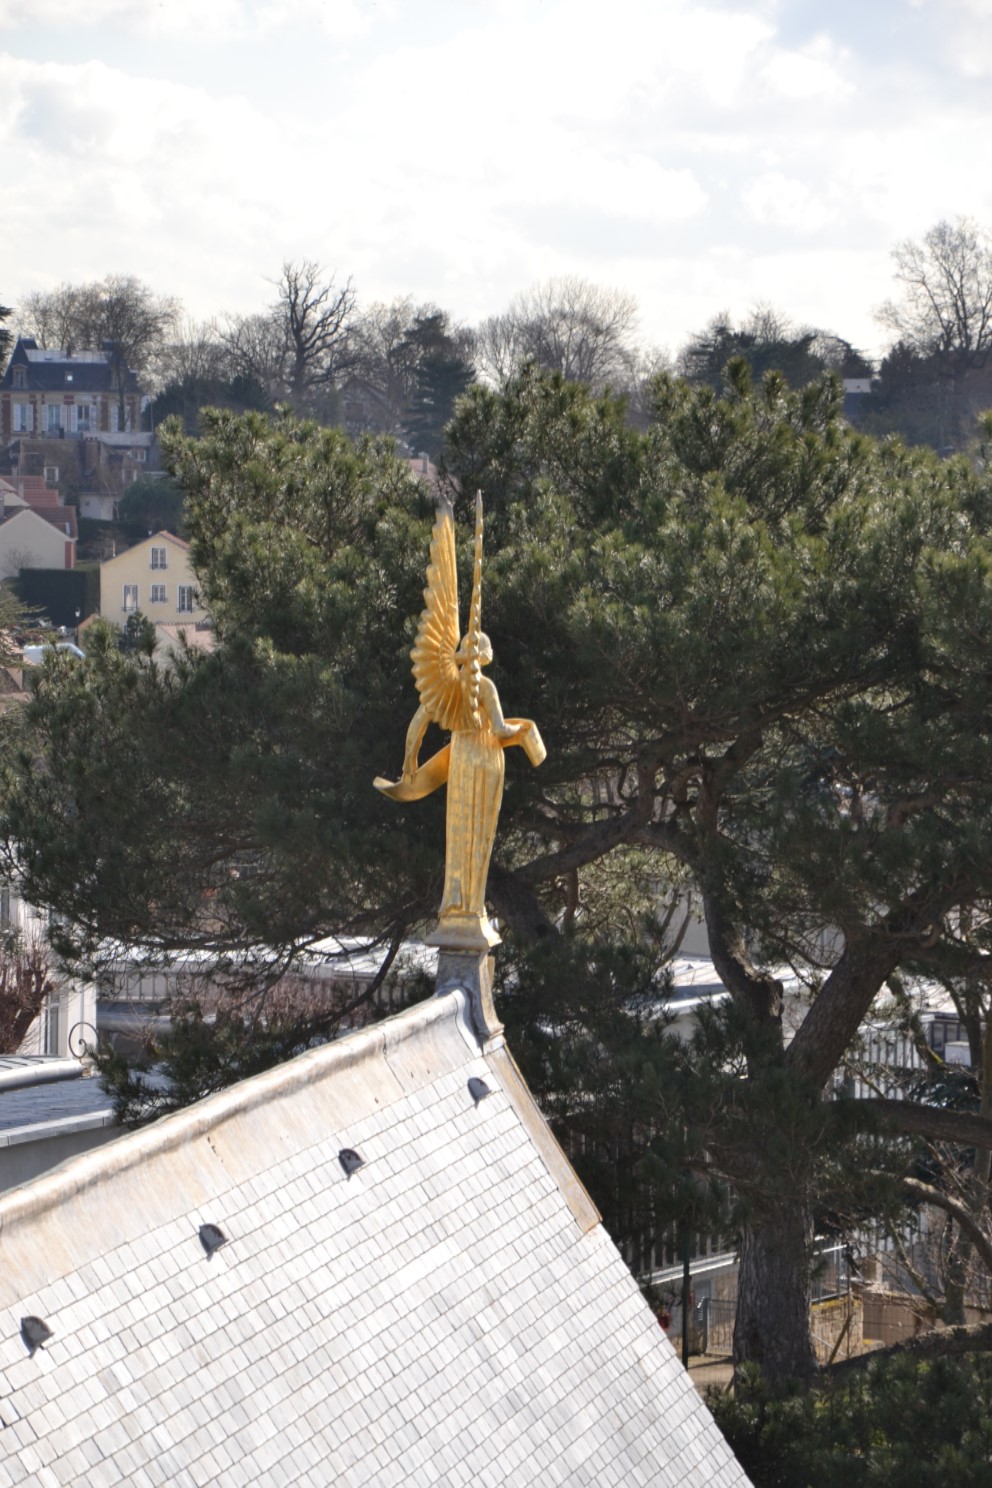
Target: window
137, 454
158, 594
187, 599
20, 377
52, 1026
159, 556
54, 417
23, 418
84, 417
51, 475
130, 598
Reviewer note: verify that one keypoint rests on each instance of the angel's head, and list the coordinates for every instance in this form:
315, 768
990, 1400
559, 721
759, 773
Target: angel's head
484, 649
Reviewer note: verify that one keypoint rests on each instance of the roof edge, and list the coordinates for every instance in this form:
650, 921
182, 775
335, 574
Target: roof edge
74, 1177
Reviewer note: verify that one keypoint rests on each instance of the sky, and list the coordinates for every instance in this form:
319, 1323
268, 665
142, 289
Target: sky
702, 157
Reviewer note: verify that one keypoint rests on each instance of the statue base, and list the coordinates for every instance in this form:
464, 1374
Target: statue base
473, 972
463, 932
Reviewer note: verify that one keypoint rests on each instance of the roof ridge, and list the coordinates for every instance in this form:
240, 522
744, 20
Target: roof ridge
72, 1178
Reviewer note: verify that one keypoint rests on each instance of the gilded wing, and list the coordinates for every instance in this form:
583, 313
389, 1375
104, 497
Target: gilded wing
435, 669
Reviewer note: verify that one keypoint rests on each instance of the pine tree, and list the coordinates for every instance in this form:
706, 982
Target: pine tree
756, 646
443, 372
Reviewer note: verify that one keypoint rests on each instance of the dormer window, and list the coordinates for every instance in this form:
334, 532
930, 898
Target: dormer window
20, 377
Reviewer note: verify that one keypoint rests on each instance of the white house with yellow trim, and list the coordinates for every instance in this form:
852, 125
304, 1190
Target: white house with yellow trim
154, 577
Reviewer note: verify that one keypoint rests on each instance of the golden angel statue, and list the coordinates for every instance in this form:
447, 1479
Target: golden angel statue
456, 696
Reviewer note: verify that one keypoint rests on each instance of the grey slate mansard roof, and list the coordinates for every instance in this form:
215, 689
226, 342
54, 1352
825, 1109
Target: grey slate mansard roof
451, 1313
56, 370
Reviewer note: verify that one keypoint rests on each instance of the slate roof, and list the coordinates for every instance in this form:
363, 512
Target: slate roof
56, 370
452, 1313
53, 1109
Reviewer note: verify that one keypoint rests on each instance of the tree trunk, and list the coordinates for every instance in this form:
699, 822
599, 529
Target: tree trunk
773, 1298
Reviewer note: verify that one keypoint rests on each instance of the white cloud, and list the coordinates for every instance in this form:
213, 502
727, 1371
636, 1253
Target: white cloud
193, 19
965, 33
123, 172
784, 201
813, 74
692, 153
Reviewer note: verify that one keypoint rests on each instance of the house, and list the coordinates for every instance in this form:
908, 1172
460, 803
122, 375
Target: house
52, 1108
372, 1264
135, 993
173, 637
154, 577
70, 1006
66, 418
32, 493
46, 391
35, 537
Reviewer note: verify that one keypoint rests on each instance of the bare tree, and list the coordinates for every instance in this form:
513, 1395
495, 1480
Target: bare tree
17, 558
135, 321
946, 305
582, 330
299, 348
256, 346
6, 336
25, 986
53, 317
646, 364
195, 353
500, 348
317, 316
385, 363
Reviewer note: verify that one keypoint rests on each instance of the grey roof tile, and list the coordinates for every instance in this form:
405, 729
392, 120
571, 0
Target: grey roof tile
439, 1318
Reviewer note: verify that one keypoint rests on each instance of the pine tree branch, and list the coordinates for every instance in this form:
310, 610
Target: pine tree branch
936, 1344
964, 1128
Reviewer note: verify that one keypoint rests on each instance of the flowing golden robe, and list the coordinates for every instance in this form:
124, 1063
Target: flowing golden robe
455, 695
475, 790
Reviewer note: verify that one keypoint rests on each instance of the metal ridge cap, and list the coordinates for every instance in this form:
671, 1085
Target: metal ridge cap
46, 1071
56, 1126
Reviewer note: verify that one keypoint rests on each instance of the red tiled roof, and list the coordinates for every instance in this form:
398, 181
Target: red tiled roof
62, 517
44, 501
180, 542
32, 489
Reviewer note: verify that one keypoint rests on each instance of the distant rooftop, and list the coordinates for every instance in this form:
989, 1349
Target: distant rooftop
53, 1109
35, 368
57, 354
